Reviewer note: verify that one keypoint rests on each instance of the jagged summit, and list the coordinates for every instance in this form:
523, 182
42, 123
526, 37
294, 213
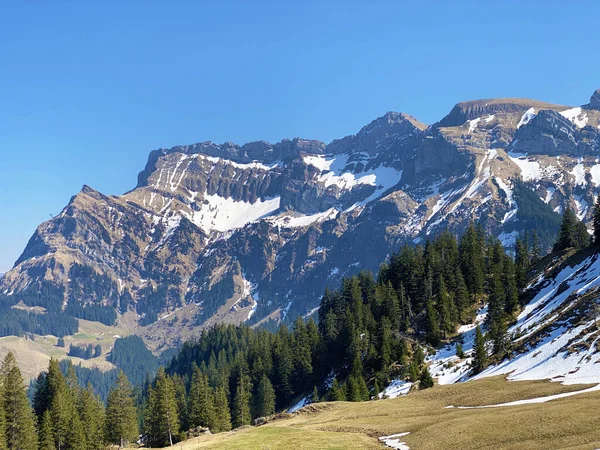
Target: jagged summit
595, 100
473, 109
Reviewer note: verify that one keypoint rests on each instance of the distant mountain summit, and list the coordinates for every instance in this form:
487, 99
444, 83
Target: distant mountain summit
255, 232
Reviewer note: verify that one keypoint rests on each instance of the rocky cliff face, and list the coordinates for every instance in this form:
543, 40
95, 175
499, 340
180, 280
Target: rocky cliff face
256, 232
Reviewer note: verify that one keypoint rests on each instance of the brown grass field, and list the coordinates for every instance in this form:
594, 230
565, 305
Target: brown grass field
568, 423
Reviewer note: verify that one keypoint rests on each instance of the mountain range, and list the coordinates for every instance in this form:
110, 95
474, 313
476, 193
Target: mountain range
223, 233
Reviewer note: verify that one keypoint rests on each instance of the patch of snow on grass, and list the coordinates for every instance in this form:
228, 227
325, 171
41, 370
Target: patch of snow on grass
300, 404
531, 401
395, 389
549, 194
581, 205
393, 441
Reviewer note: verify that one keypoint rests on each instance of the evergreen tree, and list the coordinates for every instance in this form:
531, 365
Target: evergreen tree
76, 434
315, 395
61, 406
425, 379
433, 325
567, 236
480, 353
46, 433
91, 411
19, 420
201, 409
241, 406
536, 251
264, 399
222, 414
161, 417
121, 417
596, 222
338, 392
459, 351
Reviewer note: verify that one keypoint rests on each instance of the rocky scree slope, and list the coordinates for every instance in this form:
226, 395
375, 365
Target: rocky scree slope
228, 233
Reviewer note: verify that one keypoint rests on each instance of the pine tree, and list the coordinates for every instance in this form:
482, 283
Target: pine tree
567, 235
536, 250
162, 420
480, 353
76, 435
46, 434
582, 236
222, 414
91, 411
19, 419
459, 351
596, 222
201, 409
61, 405
264, 399
241, 406
338, 392
121, 415
425, 379
315, 395
433, 325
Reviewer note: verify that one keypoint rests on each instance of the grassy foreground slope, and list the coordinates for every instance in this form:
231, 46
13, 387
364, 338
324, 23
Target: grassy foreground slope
568, 423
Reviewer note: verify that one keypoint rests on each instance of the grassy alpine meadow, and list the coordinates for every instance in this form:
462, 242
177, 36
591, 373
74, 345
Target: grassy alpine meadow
567, 423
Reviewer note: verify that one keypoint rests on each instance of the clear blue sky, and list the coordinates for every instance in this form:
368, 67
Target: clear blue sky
88, 88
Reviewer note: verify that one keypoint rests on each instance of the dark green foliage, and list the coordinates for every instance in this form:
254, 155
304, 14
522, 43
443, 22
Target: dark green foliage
480, 354
425, 379
596, 222
459, 351
535, 215
132, 356
573, 233
18, 416
161, 418
121, 419
16, 322
264, 398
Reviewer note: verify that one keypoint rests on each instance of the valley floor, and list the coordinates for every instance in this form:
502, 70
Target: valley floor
565, 423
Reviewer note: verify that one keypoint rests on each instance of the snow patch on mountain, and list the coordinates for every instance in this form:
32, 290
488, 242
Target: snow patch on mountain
576, 115
526, 118
530, 170
224, 214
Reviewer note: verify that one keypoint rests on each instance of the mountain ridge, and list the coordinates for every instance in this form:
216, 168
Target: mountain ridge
256, 232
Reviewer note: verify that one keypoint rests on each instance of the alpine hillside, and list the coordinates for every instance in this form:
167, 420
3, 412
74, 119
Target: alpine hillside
231, 234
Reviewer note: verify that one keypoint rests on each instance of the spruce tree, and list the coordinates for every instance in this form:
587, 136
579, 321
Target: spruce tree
19, 418
162, 419
567, 235
479, 353
121, 415
596, 222
61, 406
222, 413
433, 325
201, 409
91, 411
241, 406
338, 392
315, 395
425, 379
264, 399
46, 433
76, 434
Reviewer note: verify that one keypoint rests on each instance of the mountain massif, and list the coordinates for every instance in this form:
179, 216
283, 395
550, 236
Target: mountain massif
232, 234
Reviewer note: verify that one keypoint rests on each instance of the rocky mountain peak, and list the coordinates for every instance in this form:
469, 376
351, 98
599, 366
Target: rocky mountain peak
477, 108
595, 100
